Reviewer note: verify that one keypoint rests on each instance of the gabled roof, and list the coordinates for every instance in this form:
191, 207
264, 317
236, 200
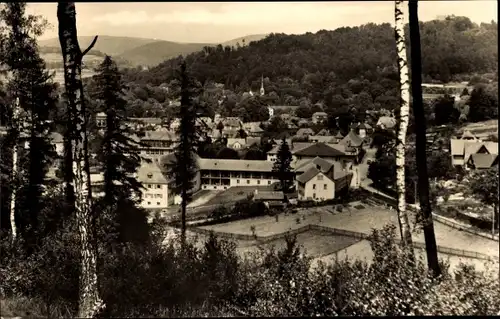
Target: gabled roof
235, 165
150, 173
324, 139
338, 135
308, 175
304, 131
319, 149
160, 136
320, 114
323, 132
253, 140
304, 165
294, 146
352, 139
387, 121
232, 141
483, 160
468, 135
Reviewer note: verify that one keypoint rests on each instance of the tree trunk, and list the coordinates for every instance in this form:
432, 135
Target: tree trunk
90, 303
183, 216
420, 128
404, 87
13, 196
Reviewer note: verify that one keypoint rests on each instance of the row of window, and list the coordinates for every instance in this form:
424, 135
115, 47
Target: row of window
157, 186
248, 182
325, 186
157, 203
153, 195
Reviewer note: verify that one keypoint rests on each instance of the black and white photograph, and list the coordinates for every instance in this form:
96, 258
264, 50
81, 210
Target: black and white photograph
249, 159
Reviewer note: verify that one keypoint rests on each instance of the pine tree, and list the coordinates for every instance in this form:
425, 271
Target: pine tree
282, 166
120, 154
185, 166
32, 86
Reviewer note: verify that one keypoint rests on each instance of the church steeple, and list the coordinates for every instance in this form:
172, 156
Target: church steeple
262, 91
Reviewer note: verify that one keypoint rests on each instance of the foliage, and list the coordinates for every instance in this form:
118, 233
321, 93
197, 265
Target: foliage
185, 166
359, 75
483, 103
445, 111
159, 279
119, 153
33, 86
282, 166
484, 185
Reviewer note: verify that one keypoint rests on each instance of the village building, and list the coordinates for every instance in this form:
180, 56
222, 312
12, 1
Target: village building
319, 117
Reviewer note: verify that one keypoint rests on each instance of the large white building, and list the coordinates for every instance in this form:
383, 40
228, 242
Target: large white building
217, 174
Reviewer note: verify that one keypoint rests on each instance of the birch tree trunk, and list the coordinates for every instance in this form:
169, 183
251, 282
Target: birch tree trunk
404, 87
421, 154
13, 197
90, 303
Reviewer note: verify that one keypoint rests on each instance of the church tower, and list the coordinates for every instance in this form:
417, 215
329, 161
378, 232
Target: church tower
262, 91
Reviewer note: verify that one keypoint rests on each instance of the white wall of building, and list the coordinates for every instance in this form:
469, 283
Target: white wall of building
154, 196
318, 188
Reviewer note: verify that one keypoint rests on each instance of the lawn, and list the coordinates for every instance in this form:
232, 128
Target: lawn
362, 251
313, 243
357, 220
234, 194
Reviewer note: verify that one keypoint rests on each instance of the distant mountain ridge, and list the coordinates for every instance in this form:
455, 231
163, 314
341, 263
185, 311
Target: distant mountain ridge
131, 51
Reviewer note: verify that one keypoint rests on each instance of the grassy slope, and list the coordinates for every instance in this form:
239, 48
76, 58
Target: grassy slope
108, 44
139, 51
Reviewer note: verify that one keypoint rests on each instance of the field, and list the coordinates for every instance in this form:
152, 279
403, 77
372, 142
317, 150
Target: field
358, 220
234, 194
313, 243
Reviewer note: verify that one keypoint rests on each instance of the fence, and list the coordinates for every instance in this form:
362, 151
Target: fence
340, 232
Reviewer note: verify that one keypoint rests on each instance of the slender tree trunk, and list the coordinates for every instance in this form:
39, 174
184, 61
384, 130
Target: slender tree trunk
421, 156
90, 303
183, 216
404, 86
13, 196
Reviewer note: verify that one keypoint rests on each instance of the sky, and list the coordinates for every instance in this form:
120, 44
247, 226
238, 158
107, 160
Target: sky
210, 22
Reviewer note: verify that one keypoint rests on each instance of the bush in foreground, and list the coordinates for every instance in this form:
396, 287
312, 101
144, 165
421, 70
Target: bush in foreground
154, 279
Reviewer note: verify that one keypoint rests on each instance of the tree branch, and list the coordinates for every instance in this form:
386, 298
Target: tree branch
90, 46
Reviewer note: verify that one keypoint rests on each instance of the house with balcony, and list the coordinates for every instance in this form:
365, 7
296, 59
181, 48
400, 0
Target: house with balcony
158, 143
217, 174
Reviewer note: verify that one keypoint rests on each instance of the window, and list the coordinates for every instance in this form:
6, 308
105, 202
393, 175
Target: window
158, 196
149, 185
314, 195
237, 181
248, 181
325, 186
320, 177
157, 203
149, 203
258, 182
158, 186
314, 186
268, 182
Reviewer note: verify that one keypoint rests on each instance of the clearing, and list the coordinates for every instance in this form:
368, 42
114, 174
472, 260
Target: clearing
234, 194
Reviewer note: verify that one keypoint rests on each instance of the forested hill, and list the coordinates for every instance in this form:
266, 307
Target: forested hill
450, 48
